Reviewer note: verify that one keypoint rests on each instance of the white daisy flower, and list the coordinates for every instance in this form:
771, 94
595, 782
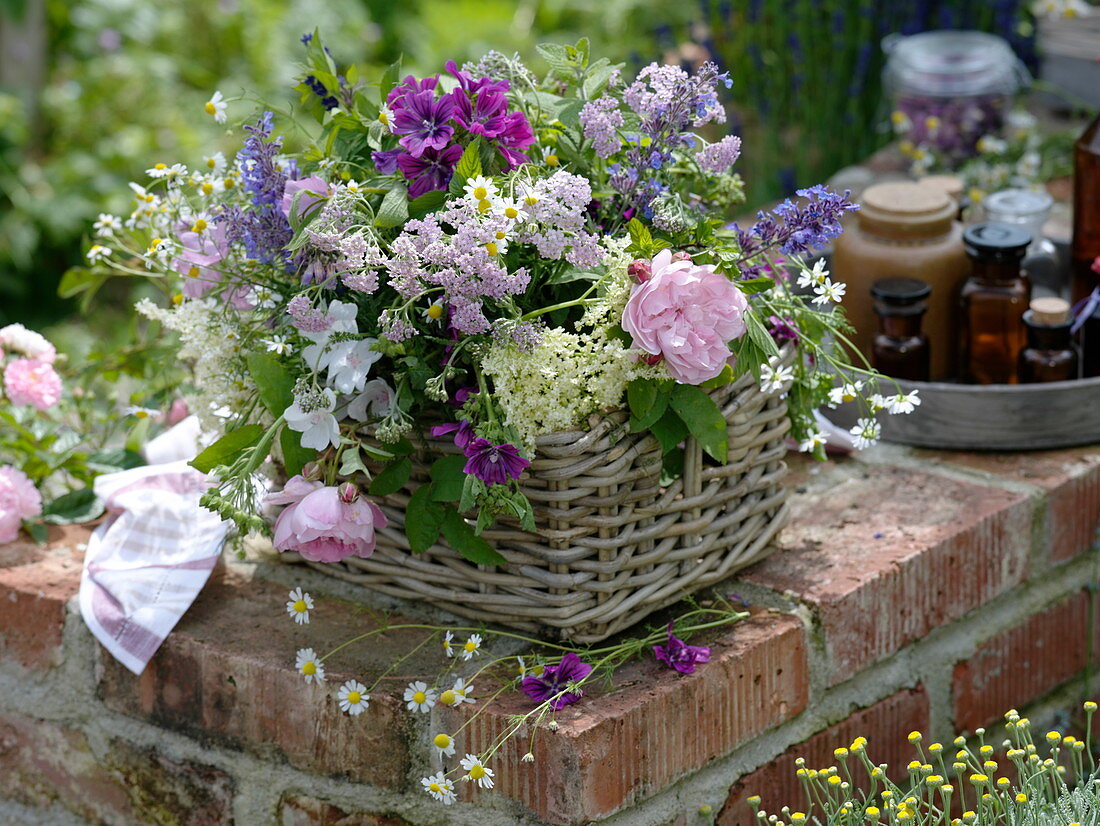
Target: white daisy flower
478, 189
462, 692
775, 380
215, 163
163, 170
160, 249
385, 117
139, 412
510, 209
299, 605
444, 744
903, 402
876, 403
477, 771
439, 787
309, 666
808, 278
278, 344
353, 697
216, 106
448, 644
812, 442
471, 647
846, 393
865, 433
96, 253
550, 157
106, 224
418, 697
528, 758
828, 291
433, 312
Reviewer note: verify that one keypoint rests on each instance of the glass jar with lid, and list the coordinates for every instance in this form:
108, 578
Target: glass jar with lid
1030, 209
949, 88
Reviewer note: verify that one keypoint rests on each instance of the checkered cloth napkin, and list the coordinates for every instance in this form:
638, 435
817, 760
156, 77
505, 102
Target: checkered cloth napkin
148, 561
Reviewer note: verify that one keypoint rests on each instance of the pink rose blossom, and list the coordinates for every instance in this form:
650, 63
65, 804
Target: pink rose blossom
308, 203
688, 314
19, 500
29, 381
325, 523
18, 339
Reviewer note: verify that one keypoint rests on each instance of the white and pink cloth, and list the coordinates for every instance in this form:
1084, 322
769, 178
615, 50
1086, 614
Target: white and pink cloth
148, 561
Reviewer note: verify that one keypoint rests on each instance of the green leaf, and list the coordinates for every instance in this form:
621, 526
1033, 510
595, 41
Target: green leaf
78, 506
392, 479
721, 380
670, 430
351, 462
463, 539
760, 335
472, 488
275, 383
672, 466
449, 478
640, 235
469, 165
228, 447
294, 455
428, 202
703, 419
755, 285
648, 400
37, 530
109, 461
423, 519
389, 79
394, 209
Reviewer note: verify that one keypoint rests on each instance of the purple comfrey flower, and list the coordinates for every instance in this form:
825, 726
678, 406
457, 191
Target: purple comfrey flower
555, 682
464, 432
422, 119
678, 655
431, 171
493, 464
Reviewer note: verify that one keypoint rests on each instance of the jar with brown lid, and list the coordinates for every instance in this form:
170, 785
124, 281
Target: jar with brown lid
905, 230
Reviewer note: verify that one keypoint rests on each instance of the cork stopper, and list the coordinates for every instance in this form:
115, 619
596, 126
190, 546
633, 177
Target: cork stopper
904, 210
951, 184
1049, 312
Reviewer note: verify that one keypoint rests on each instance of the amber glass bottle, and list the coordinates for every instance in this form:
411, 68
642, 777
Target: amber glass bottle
993, 302
901, 348
1050, 354
1086, 210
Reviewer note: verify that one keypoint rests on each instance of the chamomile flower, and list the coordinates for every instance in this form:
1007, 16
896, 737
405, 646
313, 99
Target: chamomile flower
866, 432
385, 117
96, 253
461, 693
439, 787
106, 224
448, 644
418, 697
528, 758
444, 744
139, 412
810, 278
353, 186
471, 647
903, 402
309, 666
877, 402
812, 442
775, 380
433, 312
550, 157
847, 392
477, 771
216, 107
160, 250
510, 209
215, 163
278, 344
828, 291
163, 170
478, 189
299, 605
353, 697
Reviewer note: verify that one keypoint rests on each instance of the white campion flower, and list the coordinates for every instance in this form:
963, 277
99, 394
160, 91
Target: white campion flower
216, 107
828, 291
477, 771
818, 275
865, 433
812, 442
775, 380
311, 415
903, 402
351, 364
439, 787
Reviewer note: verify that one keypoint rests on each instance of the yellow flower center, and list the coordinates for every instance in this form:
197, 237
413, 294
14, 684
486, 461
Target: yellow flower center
483, 206
442, 740
211, 162
470, 644
200, 225
501, 236
207, 188
193, 272
383, 117
211, 108
511, 212
436, 311
447, 698
228, 183
435, 787
156, 242
530, 200
309, 668
481, 193
160, 166
177, 298
477, 772
354, 697
419, 697
552, 160
142, 414
490, 248
299, 605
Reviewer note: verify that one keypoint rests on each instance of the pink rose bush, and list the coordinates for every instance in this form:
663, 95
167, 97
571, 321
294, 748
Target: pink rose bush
687, 314
325, 523
33, 382
19, 500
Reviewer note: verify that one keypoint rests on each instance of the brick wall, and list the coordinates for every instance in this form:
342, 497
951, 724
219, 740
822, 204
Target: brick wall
913, 589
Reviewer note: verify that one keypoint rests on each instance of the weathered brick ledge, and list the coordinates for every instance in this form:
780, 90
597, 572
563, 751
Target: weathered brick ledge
913, 589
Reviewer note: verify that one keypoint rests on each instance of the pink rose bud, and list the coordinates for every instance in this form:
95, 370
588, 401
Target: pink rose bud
348, 493
680, 255
639, 269
177, 412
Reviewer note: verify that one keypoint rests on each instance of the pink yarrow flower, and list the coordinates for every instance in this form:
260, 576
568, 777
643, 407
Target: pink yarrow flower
325, 523
33, 382
19, 500
686, 313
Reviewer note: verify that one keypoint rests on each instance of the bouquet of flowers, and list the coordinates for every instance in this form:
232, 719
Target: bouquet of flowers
481, 254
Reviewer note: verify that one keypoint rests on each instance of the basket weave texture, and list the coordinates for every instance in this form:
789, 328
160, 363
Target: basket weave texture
612, 545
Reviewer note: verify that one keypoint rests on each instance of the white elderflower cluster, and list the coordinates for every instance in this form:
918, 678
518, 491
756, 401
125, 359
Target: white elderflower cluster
209, 341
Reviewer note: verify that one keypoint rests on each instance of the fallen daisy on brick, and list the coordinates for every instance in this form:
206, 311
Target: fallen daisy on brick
299, 605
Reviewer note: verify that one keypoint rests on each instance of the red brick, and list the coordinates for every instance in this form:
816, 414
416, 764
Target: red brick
36, 584
885, 724
300, 810
227, 673
887, 556
1071, 479
43, 762
651, 728
1023, 663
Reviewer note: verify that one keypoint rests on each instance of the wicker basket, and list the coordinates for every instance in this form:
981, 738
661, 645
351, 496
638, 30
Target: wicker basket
612, 545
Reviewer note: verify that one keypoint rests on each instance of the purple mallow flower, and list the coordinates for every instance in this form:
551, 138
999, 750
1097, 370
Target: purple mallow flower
555, 682
493, 464
422, 120
431, 171
678, 655
464, 432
